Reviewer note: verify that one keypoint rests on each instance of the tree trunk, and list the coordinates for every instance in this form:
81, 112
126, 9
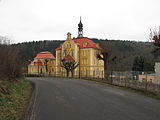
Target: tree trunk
106, 72
67, 73
3, 89
72, 73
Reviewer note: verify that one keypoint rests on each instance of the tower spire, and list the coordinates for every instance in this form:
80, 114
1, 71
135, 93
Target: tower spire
80, 29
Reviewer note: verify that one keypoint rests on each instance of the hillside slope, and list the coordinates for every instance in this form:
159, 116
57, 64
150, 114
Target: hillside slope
128, 51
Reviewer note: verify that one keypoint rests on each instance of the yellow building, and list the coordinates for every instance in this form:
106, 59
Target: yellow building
43, 63
82, 50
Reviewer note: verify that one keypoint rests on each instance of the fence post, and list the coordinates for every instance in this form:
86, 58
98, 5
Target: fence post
146, 83
111, 76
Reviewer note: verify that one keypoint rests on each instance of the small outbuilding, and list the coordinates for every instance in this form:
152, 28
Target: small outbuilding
43, 63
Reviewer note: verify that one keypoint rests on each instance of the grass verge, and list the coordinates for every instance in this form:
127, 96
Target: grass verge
13, 106
138, 91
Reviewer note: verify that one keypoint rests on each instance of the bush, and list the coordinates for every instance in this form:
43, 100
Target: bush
10, 67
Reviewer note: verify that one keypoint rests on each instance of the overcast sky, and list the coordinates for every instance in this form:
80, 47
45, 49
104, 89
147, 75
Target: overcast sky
28, 20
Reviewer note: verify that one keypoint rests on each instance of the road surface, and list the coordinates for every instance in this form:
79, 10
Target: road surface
69, 99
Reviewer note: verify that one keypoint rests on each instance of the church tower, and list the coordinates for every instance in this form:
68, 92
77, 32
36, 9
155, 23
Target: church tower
80, 29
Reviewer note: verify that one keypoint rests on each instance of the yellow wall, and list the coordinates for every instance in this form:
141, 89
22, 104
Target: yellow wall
41, 69
89, 65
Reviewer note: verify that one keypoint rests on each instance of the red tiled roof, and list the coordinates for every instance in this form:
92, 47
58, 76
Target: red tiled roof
58, 48
44, 55
85, 42
37, 62
68, 57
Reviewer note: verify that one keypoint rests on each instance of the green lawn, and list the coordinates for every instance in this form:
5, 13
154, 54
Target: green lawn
13, 106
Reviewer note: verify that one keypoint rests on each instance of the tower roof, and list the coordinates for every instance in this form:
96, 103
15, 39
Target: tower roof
80, 25
80, 29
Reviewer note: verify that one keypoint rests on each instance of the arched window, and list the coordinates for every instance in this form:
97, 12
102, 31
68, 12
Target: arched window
68, 45
72, 53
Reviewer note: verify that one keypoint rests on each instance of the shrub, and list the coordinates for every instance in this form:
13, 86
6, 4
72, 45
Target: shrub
10, 67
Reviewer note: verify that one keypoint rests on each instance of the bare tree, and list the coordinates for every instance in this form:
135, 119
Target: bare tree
107, 55
46, 64
155, 37
69, 65
10, 67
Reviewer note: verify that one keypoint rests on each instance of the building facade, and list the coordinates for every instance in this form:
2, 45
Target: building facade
150, 78
43, 63
83, 51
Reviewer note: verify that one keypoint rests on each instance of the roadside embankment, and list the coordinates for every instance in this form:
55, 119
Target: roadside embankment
14, 103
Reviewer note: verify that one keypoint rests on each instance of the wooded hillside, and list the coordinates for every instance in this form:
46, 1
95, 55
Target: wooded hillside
128, 50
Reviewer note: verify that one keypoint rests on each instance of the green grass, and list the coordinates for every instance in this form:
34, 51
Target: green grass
13, 106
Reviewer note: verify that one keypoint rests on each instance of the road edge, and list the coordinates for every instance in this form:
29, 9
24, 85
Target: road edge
31, 102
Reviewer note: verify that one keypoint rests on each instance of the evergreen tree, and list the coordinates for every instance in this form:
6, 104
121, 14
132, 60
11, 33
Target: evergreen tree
141, 64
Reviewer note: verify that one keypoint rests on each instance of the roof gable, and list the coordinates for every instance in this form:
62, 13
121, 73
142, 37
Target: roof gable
68, 58
85, 42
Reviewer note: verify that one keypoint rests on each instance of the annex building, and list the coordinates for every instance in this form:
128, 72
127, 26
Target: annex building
81, 49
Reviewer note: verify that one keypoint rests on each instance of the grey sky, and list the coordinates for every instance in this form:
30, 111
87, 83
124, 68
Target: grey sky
27, 20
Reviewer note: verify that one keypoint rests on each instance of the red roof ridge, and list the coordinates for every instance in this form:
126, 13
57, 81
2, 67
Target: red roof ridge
45, 54
85, 42
58, 48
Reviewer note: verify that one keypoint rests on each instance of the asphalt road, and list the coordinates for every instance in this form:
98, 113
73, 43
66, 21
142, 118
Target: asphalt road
68, 99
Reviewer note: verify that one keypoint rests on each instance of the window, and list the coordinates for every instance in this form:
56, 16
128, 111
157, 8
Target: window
72, 53
68, 45
85, 53
85, 44
64, 53
85, 61
95, 53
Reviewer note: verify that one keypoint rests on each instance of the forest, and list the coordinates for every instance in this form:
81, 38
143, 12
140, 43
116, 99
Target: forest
128, 52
